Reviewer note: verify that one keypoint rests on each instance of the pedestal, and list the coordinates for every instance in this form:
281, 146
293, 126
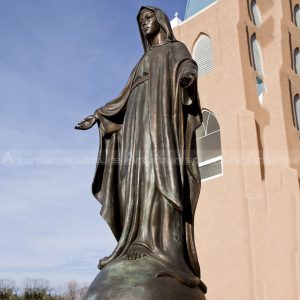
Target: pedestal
136, 279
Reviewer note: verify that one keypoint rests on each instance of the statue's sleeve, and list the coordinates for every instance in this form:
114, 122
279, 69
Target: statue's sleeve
108, 126
188, 66
111, 115
190, 94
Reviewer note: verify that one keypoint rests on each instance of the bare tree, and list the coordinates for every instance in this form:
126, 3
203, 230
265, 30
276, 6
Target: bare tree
39, 289
36, 289
72, 290
82, 292
7, 289
55, 293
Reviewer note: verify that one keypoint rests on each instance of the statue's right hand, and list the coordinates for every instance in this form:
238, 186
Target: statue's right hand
87, 123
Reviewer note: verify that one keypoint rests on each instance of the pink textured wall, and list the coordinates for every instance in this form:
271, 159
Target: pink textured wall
247, 221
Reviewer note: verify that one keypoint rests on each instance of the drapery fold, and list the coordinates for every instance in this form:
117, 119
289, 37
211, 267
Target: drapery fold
174, 115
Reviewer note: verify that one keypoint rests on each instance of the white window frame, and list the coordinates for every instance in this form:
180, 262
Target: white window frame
297, 61
255, 12
210, 161
296, 100
214, 159
297, 15
257, 56
195, 55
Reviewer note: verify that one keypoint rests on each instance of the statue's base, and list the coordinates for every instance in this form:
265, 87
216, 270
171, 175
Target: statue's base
135, 279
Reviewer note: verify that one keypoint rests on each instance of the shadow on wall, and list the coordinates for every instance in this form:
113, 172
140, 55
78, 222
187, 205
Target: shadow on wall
260, 151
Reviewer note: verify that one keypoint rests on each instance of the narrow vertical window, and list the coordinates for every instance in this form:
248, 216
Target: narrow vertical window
297, 111
256, 18
297, 15
258, 66
203, 54
260, 89
256, 55
297, 61
209, 147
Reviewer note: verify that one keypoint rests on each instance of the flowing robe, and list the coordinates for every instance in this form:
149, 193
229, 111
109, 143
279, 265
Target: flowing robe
147, 178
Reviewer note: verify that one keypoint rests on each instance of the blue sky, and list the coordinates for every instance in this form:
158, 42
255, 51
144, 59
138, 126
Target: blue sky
59, 61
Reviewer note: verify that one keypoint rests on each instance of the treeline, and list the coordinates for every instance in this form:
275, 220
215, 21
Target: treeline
40, 289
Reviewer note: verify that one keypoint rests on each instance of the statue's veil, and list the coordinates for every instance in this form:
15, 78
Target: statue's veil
164, 22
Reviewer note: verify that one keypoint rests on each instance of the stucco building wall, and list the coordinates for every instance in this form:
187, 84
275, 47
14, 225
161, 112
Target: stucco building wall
248, 220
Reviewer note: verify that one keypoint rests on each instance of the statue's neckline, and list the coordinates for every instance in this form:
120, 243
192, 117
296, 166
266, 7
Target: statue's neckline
155, 46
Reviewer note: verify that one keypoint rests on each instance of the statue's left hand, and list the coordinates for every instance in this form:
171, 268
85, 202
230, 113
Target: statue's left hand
187, 79
87, 123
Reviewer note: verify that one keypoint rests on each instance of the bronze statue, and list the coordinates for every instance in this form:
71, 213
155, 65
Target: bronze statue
147, 178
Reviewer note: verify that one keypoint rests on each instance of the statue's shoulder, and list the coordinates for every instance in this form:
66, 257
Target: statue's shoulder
180, 48
178, 44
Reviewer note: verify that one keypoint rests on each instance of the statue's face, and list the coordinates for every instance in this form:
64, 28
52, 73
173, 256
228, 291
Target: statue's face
148, 23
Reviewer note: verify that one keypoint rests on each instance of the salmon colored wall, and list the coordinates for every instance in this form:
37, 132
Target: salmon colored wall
247, 221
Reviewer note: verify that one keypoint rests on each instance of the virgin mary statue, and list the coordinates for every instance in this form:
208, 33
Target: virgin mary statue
147, 178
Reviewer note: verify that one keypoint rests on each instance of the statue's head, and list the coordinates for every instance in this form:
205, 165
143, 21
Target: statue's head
153, 21
149, 24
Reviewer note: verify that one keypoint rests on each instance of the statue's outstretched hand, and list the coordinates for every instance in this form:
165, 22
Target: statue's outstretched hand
87, 123
187, 79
